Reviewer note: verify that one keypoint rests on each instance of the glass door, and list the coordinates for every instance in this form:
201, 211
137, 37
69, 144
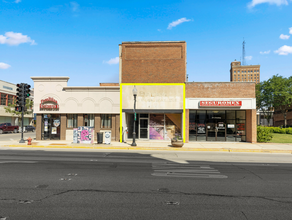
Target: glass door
211, 131
143, 128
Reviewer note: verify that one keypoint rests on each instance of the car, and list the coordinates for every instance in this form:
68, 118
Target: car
7, 127
29, 128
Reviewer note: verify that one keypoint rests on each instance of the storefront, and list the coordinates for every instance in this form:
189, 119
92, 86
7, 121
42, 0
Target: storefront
224, 112
61, 109
159, 111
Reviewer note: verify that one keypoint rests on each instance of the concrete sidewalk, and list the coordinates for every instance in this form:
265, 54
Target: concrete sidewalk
162, 145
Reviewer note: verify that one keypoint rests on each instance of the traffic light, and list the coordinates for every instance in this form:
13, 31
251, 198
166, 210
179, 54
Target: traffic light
26, 92
19, 95
18, 109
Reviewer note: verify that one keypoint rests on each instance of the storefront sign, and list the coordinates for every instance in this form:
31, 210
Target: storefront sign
49, 104
220, 103
230, 126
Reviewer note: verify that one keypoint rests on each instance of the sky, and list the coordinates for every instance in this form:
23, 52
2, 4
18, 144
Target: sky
80, 39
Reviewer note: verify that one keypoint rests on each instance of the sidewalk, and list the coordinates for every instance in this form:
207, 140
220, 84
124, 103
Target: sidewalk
162, 145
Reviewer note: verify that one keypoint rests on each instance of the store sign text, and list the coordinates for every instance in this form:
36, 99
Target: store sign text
49, 104
221, 103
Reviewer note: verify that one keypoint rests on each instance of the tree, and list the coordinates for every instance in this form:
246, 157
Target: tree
11, 109
264, 100
280, 89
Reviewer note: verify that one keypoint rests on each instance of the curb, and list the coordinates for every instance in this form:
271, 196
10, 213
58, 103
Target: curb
155, 148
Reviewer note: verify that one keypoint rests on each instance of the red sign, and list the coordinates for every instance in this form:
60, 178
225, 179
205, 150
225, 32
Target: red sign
45, 104
221, 103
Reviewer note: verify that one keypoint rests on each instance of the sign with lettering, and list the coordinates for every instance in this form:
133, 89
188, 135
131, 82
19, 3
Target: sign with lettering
49, 104
220, 103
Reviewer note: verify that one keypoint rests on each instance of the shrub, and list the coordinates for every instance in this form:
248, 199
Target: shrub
263, 134
283, 131
277, 130
288, 130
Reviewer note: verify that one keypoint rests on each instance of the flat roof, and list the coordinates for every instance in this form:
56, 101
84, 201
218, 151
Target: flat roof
149, 42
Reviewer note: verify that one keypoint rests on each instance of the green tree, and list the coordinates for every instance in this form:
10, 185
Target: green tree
280, 89
11, 109
264, 100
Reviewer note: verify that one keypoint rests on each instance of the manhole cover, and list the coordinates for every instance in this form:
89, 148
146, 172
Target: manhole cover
41, 186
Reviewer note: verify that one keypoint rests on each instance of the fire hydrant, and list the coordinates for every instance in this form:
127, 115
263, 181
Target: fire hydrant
29, 141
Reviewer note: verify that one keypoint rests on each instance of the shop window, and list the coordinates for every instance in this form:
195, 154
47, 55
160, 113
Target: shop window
88, 120
10, 99
106, 121
3, 99
72, 121
240, 115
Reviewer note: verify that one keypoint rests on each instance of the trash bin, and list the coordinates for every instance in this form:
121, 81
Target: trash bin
99, 137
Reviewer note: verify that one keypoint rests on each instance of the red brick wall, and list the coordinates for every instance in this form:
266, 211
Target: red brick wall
251, 126
220, 90
154, 62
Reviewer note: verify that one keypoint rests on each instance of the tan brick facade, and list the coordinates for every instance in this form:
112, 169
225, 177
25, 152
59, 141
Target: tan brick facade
220, 89
250, 73
153, 62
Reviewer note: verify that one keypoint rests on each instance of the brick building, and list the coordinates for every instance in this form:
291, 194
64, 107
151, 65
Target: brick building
239, 73
166, 105
172, 106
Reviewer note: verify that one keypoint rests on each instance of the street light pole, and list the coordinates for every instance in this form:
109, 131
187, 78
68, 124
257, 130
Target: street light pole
134, 133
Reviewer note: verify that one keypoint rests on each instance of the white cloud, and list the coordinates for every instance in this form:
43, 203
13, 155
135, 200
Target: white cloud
265, 52
284, 50
284, 37
253, 3
290, 30
112, 61
74, 6
177, 22
12, 38
248, 57
4, 66
17, 1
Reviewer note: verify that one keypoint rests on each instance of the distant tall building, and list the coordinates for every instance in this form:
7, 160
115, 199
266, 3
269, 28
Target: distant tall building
250, 73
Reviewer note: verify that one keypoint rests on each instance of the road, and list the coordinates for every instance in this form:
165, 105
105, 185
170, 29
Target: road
99, 184
16, 136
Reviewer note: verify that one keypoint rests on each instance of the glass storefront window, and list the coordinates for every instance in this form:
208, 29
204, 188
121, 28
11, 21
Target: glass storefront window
72, 121
156, 127
130, 124
106, 121
192, 126
3, 99
173, 125
240, 114
217, 125
10, 99
88, 120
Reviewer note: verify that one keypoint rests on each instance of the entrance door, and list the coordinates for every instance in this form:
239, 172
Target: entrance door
216, 131
51, 127
143, 128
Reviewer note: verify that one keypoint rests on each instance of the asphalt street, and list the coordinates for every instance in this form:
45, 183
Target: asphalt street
144, 185
16, 136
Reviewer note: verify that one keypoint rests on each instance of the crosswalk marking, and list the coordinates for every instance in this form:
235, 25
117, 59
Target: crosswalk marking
186, 170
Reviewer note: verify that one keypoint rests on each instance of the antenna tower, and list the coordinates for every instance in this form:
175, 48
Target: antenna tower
243, 53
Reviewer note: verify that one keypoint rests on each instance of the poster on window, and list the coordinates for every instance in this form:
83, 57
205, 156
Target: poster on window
54, 130
85, 135
201, 129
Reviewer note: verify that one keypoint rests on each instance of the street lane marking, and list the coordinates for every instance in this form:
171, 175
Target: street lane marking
186, 170
18, 161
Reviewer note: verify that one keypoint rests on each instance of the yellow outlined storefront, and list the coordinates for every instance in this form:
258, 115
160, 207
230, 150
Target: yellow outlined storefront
162, 97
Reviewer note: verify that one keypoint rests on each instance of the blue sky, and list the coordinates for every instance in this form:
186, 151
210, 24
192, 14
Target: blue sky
80, 39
